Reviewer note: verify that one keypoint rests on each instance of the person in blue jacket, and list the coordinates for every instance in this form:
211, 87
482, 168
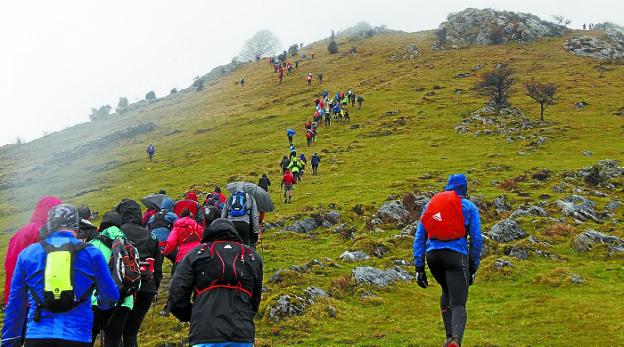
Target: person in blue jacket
90, 270
452, 263
150, 151
316, 160
290, 133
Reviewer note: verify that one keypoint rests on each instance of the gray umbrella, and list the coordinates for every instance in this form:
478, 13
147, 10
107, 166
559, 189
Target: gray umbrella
153, 201
263, 199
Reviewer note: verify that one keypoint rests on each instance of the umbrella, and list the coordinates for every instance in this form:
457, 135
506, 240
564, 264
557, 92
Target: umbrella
263, 199
153, 201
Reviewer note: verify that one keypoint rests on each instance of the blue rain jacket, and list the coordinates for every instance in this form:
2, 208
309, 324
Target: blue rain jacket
162, 233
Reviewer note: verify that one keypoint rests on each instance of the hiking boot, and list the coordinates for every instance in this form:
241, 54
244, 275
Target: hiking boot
452, 342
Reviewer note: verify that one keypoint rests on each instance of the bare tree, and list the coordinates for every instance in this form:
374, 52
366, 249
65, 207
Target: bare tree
497, 84
542, 93
561, 20
262, 44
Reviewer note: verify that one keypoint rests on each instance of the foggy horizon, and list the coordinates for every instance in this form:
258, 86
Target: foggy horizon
60, 59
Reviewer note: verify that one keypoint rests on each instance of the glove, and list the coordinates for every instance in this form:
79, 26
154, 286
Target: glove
421, 278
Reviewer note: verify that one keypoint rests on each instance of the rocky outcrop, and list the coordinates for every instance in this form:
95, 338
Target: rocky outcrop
586, 240
487, 26
378, 277
303, 226
602, 172
294, 305
579, 208
609, 46
392, 212
506, 231
354, 256
529, 211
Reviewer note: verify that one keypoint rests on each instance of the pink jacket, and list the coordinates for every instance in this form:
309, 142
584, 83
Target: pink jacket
26, 236
185, 235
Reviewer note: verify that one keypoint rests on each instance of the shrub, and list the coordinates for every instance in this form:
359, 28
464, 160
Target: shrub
332, 47
150, 96
496, 84
292, 50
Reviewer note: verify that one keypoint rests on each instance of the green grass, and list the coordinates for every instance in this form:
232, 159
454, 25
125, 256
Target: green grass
226, 132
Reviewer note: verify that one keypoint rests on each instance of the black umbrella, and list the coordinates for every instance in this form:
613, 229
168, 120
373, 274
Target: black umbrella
263, 199
153, 201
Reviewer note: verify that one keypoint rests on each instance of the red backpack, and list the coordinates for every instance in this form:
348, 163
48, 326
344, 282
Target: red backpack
443, 219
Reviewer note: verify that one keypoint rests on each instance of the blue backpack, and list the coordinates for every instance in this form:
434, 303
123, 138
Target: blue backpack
238, 207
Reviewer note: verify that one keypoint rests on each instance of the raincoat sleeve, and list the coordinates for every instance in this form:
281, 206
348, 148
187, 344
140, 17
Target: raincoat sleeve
257, 292
255, 219
15, 313
476, 241
158, 260
172, 241
107, 292
181, 290
420, 244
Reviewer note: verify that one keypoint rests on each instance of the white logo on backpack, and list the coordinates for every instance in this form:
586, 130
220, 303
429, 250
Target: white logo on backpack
437, 216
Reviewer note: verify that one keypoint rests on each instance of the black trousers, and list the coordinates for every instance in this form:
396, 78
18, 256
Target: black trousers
54, 343
450, 270
112, 322
142, 303
243, 229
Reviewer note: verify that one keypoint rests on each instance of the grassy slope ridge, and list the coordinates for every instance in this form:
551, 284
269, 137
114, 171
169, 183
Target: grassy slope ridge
226, 132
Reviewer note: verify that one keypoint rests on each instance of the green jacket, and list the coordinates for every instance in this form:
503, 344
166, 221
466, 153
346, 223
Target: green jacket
112, 233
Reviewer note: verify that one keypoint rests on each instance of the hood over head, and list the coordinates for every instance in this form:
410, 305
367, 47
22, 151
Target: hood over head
191, 196
167, 204
40, 214
458, 183
221, 230
110, 219
130, 211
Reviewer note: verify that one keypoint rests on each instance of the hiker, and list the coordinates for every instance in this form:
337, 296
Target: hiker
284, 164
352, 98
185, 235
147, 245
360, 99
264, 182
296, 64
584, 26
347, 117
49, 300
222, 197
280, 76
316, 160
293, 152
295, 167
309, 78
303, 159
327, 119
219, 299
336, 110
290, 133
87, 231
212, 208
191, 203
241, 210
150, 151
312, 55
242, 81
113, 321
26, 236
451, 242
309, 137
161, 223
288, 185
320, 78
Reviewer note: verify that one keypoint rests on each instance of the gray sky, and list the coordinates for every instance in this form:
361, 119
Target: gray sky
60, 58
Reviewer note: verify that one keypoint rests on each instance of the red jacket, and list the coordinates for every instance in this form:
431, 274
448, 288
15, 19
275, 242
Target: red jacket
185, 235
289, 178
26, 236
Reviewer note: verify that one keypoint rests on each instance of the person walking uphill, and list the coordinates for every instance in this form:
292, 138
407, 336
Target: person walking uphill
290, 133
186, 235
288, 185
113, 321
147, 245
218, 288
449, 237
150, 151
264, 182
242, 211
58, 264
316, 160
26, 236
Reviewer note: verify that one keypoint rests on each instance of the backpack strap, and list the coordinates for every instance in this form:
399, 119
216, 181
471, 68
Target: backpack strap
108, 242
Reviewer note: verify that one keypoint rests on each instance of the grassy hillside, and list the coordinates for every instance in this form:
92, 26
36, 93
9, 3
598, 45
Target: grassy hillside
226, 133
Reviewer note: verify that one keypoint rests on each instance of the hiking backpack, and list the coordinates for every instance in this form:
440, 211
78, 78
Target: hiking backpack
159, 221
238, 206
443, 219
124, 265
58, 284
226, 267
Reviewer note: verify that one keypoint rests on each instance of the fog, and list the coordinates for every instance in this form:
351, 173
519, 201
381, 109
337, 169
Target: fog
60, 58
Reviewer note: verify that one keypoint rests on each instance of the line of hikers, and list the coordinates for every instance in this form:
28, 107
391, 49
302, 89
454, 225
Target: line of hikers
68, 282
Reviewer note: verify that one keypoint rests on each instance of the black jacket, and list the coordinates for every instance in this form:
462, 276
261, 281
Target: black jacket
264, 183
143, 240
220, 314
284, 163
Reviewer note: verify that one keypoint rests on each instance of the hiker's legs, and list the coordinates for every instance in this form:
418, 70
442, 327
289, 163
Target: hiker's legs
142, 304
437, 266
243, 230
114, 326
54, 343
290, 140
314, 170
457, 279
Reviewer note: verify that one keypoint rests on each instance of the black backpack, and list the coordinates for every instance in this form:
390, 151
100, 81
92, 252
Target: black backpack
225, 267
124, 265
59, 293
159, 221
